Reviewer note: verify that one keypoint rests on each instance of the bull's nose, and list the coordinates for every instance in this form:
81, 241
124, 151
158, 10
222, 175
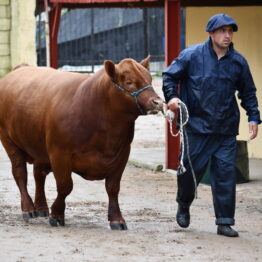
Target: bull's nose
158, 102
156, 106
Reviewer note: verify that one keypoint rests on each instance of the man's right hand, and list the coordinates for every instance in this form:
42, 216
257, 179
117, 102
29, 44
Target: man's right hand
173, 104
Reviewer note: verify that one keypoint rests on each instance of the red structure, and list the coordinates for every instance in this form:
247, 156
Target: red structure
172, 49
172, 41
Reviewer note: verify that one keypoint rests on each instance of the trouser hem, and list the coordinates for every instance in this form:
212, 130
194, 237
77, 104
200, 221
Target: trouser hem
225, 221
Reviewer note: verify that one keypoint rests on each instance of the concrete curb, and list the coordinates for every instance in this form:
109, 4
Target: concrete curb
150, 158
154, 167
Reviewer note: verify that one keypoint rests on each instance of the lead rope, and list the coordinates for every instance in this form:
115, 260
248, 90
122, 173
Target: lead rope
170, 116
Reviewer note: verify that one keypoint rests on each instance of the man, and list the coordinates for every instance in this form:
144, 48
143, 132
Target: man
209, 74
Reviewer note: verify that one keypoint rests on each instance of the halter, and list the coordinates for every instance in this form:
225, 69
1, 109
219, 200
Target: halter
134, 95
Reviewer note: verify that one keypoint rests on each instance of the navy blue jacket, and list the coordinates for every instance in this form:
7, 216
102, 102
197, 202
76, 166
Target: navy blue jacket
208, 86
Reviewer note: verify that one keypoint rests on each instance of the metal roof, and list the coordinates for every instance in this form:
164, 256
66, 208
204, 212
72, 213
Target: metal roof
99, 1
108, 3
160, 3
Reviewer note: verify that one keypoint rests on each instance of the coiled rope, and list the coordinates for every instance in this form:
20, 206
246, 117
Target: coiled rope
183, 120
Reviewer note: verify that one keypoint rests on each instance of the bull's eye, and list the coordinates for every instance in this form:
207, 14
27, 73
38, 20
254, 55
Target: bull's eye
129, 83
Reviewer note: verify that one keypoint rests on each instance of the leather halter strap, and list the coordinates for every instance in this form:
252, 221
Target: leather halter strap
135, 95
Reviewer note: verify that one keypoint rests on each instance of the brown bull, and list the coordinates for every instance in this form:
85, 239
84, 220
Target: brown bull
68, 122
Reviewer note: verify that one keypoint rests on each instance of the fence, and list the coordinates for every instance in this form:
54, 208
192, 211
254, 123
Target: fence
89, 36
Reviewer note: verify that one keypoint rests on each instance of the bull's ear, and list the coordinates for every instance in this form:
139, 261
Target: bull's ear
110, 68
145, 62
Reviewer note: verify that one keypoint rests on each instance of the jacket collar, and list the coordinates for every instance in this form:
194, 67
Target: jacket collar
209, 45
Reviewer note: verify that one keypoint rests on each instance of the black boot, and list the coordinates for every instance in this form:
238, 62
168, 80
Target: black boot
183, 216
227, 231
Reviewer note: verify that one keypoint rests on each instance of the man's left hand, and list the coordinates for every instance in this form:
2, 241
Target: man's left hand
253, 130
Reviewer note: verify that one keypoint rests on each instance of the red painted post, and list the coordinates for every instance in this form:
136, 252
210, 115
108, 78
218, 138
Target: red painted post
54, 20
172, 49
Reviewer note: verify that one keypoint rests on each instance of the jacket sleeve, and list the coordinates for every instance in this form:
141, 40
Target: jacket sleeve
247, 94
173, 74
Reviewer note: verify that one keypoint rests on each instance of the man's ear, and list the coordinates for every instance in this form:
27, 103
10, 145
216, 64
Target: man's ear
110, 69
145, 62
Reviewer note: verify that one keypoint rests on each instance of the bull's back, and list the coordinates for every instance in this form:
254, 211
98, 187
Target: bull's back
27, 97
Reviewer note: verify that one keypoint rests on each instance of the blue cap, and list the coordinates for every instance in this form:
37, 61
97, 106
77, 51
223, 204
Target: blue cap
220, 20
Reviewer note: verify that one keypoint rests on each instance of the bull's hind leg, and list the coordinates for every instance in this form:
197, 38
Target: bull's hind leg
19, 170
64, 183
41, 207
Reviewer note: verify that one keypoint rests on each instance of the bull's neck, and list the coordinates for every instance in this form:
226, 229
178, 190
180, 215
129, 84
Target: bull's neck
98, 109
98, 96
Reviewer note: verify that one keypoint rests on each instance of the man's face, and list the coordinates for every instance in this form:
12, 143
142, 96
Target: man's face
222, 37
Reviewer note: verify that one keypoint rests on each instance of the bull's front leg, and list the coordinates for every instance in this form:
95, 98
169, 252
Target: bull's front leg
117, 222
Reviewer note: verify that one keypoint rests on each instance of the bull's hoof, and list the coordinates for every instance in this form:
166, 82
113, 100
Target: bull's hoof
42, 213
28, 215
55, 222
115, 225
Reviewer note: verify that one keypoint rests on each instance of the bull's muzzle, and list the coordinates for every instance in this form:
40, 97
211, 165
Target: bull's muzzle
156, 105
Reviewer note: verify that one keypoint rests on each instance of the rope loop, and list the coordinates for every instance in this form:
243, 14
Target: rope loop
184, 117
183, 120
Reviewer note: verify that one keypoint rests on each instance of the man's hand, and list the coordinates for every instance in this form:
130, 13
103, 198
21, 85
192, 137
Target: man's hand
253, 129
173, 104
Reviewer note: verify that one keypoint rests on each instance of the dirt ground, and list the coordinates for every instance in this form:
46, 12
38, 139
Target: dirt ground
147, 201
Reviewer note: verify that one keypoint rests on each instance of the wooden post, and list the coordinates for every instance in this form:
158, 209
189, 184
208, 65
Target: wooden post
54, 20
172, 49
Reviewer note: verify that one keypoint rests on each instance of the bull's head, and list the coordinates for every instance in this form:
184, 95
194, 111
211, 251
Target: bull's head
134, 79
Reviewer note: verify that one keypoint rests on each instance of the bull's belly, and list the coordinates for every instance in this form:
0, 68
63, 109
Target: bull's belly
95, 170
36, 156
97, 166
89, 176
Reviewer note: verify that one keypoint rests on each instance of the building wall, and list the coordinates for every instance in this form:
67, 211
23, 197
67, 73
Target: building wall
17, 34
23, 28
247, 41
5, 26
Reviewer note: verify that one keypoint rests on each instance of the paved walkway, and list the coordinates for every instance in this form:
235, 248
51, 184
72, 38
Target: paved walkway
154, 159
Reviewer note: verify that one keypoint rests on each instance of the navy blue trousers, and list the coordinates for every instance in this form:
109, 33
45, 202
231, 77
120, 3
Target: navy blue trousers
221, 149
